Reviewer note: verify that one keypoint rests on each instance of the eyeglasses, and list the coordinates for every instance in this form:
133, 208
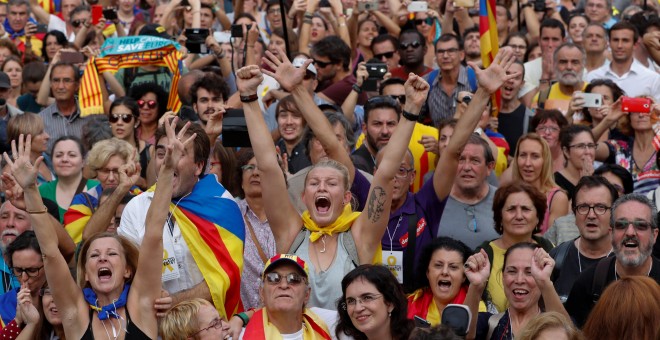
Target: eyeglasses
386, 55
401, 98
428, 21
413, 44
30, 272
472, 218
125, 117
249, 168
107, 172
76, 23
584, 146
292, 279
448, 51
274, 11
599, 209
639, 225
216, 323
150, 103
540, 129
403, 172
322, 64
364, 300
44, 291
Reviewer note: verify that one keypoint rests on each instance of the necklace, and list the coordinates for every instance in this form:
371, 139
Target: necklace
511, 326
114, 331
323, 240
579, 253
391, 236
616, 276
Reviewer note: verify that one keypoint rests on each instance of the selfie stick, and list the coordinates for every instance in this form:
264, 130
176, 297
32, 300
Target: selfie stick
284, 29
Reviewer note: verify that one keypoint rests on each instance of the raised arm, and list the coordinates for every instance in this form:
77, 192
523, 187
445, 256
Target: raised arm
609, 120
542, 266
39, 12
490, 80
477, 271
370, 226
290, 78
67, 294
149, 268
282, 215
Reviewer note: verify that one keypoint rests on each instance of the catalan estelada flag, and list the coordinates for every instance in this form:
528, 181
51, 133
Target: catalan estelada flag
260, 328
50, 6
489, 41
81, 209
213, 228
127, 52
8, 303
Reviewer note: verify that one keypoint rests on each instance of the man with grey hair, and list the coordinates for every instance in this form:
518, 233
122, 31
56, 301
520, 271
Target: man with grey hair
594, 40
13, 222
568, 69
634, 229
600, 12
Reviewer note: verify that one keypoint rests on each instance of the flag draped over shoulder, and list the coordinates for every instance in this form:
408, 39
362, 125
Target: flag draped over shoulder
127, 52
8, 303
212, 226
81, 209
488, 40
260, 328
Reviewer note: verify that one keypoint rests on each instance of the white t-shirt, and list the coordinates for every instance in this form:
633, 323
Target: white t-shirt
57, 24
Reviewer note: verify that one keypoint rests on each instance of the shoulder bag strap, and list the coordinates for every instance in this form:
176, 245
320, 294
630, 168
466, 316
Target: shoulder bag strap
409, 254
493, 321
254, 238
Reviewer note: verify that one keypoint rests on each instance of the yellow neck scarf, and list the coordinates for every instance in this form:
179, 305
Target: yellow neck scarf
341, 224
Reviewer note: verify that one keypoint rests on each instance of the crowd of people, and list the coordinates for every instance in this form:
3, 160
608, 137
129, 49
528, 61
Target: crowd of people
329, 169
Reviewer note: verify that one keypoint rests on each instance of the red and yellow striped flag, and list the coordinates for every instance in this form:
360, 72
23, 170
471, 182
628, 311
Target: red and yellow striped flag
489, 41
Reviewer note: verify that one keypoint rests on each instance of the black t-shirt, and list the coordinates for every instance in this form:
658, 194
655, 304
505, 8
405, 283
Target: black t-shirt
581, 300
511, 126
570, 269
565, 184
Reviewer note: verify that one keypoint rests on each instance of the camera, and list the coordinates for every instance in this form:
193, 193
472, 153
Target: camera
539, 5
376, 70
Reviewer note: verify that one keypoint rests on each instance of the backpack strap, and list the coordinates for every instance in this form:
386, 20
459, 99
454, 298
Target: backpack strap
493, 321
600, 277
298, 241
432, 75
472, 79
560, 257
348, 242
543, 96
409, 255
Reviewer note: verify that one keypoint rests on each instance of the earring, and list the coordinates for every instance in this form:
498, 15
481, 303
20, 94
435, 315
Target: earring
389, 314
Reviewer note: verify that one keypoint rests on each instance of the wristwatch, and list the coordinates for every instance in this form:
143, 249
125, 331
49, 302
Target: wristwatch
249, 98
411, 117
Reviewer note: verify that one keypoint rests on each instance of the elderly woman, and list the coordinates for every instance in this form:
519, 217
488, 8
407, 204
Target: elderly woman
68, 161
104, 161
115, 288
32, 124
517, 211
442, 278
526, 277
372, 305
192, 319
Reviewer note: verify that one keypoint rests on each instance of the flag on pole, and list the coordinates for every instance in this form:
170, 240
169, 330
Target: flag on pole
489, 41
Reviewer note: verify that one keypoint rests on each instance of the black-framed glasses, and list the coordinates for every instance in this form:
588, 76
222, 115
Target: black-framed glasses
403, 172
249, 168
322, 64
599, 209
76, 23
150, 103
126, 118
413, 44
292, 279
448, 51
363, 300
30, 272
216, 323
107, 172
401, 98
428, 21
639, 225
472, 218
584, 146
386, 55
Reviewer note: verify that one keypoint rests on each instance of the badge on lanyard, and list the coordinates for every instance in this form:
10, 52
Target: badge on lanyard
170, 265
393, 260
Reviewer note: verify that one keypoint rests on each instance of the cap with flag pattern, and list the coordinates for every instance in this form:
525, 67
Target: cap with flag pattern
279, 258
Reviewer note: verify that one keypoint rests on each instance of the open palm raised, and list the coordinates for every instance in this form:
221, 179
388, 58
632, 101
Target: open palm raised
493, 77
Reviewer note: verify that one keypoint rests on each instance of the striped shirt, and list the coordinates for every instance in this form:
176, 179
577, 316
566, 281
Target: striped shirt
441, 105
58, 125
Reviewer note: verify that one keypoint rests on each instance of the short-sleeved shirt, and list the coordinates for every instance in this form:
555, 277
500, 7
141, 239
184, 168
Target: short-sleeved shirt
440, 104
58, 125
556, 99
400, 72
338, 91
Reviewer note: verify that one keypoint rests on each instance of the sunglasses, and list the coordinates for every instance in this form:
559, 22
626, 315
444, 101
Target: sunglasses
401, 98
428, 21
292, 279
386, 55
150, 103
309, 75
322, 64
639, 225
125, 117
77, 23
414, 44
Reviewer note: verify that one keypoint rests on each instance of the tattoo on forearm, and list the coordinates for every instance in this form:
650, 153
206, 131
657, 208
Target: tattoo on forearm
376, 203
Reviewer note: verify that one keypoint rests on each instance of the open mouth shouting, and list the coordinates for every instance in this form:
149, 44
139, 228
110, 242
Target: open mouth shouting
322, 204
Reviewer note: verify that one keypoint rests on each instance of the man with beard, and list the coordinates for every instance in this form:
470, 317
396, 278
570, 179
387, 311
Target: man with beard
208, 95
381, 116
569, 67
472, 44
595, 43
631, 76
332, 58
634, 229
593, 198
412, 49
